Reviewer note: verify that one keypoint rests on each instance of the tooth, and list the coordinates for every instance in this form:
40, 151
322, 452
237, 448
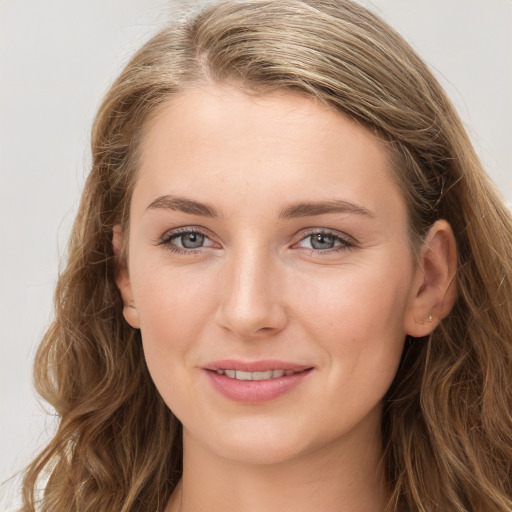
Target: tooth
240, 375
262, 375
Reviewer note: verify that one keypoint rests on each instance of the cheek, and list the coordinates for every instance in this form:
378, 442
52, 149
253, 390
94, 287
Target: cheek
357, 317
356, 321
368, 297
175, 307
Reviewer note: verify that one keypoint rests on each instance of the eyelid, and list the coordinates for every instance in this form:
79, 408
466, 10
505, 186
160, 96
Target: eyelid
166, 239
348, 241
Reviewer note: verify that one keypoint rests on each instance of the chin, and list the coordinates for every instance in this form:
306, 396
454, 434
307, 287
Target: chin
260, 452
255, 444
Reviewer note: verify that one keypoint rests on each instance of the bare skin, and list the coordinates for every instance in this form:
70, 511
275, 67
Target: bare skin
270, 228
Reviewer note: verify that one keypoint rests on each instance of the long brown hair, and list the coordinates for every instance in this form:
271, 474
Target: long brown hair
447, 425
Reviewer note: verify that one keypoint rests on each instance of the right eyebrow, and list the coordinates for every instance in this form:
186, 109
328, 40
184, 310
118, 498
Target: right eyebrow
183, 205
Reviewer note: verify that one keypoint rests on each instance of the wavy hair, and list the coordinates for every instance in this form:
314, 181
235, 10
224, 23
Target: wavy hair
447, 423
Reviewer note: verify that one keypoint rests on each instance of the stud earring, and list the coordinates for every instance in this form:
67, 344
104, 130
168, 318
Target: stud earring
430, 318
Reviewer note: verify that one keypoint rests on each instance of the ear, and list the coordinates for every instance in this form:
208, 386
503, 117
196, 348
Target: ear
434, 289
123, 280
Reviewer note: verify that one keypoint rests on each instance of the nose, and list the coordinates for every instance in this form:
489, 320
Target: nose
252, 295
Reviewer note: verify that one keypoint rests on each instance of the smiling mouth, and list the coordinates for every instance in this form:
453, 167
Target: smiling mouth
255, 382
267, 375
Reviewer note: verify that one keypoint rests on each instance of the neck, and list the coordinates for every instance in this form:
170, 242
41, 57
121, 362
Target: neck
344, 476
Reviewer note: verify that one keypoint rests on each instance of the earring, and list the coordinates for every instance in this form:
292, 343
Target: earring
429, 318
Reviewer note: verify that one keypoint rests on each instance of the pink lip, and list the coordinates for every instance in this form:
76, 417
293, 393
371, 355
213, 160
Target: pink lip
255, 366
255, 391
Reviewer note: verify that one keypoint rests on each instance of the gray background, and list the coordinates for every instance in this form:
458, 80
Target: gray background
57, 59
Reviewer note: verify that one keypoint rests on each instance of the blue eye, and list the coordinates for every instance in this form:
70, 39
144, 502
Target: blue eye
189, 240
322, 241
325, 241
186, 240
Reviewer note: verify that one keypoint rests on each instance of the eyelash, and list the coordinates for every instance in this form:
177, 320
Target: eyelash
346, 242
167, 239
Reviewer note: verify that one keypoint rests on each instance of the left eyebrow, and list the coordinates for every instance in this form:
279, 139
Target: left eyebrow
310, 209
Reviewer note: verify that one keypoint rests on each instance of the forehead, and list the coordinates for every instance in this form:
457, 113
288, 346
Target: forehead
218, 141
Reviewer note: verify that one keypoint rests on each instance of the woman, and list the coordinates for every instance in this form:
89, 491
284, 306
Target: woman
288, 283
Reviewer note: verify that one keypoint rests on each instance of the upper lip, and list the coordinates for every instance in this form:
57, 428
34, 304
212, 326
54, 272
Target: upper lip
255, 366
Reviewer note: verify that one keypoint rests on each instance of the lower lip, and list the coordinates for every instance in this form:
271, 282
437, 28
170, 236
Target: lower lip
255, 391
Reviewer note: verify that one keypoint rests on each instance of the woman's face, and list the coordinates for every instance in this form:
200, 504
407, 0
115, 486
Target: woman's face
268, 241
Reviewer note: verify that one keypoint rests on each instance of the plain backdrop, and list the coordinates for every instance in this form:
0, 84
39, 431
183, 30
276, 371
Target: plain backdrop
57, 59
